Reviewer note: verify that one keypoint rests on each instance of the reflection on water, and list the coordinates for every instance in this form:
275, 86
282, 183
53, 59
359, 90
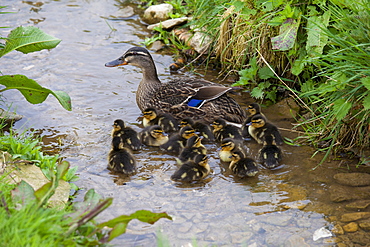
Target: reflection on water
275, 208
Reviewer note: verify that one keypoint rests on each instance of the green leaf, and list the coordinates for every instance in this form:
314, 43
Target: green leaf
62, 169
32, 91
28, 39
44, 193
257, 93
366, 102
366, 82
287, 35
265, 73
23, 193
341, 108
316, 36
117, 230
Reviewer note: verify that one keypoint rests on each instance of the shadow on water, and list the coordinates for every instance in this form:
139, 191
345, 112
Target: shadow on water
280, 207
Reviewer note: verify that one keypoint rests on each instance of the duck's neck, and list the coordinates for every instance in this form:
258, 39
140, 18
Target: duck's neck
148, 85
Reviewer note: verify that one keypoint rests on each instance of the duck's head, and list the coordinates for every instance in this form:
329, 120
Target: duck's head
186, 122
227, 144
136, 56
218, 124
258, 121
254, 109
194, 141
187, 132
156, 132
116, 143
118, 124
201, 159
237, 155
150, 113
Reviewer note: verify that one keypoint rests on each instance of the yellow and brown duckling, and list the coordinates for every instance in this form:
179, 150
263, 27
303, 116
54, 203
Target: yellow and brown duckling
253, 109
260, 127
129, 136
222, 130
270, 154
165, 120
228, 146
120, 159
153, 136
183, 97
242, 166
192, 170
204, 129
193, 147
178, 141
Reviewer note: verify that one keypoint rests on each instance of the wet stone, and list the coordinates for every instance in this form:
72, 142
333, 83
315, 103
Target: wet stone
360, 237
277, 220
296, 240
355, 216
351, 227
339, 193
353, 179
168, 24
365, 225
185, 227
357, 205
157, 13
303, 222
240, 237
337, 229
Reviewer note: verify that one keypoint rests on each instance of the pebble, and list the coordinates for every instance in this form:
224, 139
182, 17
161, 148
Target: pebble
351, 227
354, 179
360, 204
355, 216
365, 225
337, 229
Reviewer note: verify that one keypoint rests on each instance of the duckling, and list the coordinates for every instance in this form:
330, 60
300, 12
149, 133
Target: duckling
193, 147
203, 128
222, 130
270, 154
128, 135
228, 146
253, 109
165, 120
193, 169
242, 166
182, 97
259, 128
153, 136
178, 141
120, 159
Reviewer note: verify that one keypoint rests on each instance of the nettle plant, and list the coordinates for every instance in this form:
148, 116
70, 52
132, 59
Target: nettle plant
26, 40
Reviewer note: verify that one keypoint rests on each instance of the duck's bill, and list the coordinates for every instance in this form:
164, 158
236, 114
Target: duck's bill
115, 63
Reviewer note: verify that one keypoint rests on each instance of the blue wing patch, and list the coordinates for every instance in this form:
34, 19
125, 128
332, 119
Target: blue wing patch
195, 102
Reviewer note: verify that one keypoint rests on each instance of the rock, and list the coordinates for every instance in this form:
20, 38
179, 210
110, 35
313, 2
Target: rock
351, 227
295, 240
365, 225
286, 108
353, 179
200, 42
321, 233
34, 177
126, 12
355, 216
9, 117
340, 193
169, 24
157, 13
359, 237
337, 229
360, 204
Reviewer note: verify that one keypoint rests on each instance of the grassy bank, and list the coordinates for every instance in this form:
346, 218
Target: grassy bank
316, 51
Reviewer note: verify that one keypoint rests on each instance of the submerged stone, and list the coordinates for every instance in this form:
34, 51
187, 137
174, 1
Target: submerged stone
355, 216
354, 179
351, 227
360, 204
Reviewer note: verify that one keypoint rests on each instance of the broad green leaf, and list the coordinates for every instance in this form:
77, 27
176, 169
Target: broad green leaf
366, 82
316, 36
257, 93
341, 108
44, 193
366, 102
287, 35
28, 39
23, 193
32, 91
62, 169
117, 230
265, 73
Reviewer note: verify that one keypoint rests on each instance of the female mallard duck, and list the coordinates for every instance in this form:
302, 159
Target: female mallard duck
129, 136
228, 146
120, 159
222, 130
196, 98
178, 141
193, 147
193, 169
165, 120
270, 154
253, 109
259, 128
242, 166
153, 136
203, 128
